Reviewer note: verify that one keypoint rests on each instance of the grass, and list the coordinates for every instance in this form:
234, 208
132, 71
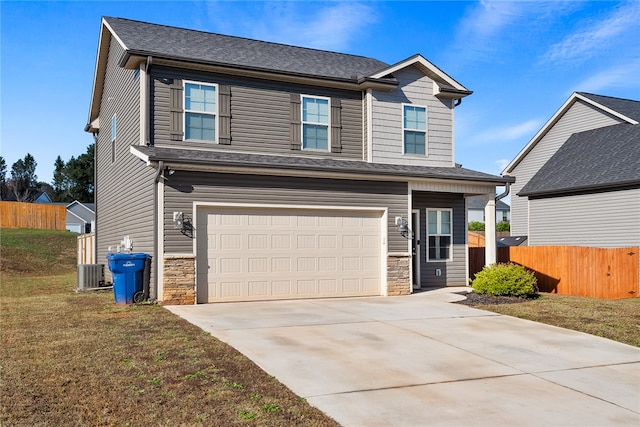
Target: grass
70, 358
618, 320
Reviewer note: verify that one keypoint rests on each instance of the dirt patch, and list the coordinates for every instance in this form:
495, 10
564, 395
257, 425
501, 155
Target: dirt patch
475, 299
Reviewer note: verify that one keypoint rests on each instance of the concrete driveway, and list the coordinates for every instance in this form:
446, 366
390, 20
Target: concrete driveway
421, 361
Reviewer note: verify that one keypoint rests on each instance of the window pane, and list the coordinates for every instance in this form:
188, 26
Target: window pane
445, 245
315, 110
415, 118
200, 126
315, 137
445, 222
200, 97
433, 222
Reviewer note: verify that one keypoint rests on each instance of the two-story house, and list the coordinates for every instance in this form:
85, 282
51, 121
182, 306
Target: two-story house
252, 170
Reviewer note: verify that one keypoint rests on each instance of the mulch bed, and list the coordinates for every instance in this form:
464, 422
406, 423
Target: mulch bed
474, 299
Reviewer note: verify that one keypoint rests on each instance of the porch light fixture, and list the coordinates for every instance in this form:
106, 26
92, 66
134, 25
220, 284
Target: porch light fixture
403, 228
178, 220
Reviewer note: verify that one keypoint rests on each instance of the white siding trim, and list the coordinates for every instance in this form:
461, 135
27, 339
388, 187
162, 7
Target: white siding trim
369, 98
160, 239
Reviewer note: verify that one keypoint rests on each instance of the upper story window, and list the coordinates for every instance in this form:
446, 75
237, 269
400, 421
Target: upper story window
414, 127
315, 123
439, 231
200, 111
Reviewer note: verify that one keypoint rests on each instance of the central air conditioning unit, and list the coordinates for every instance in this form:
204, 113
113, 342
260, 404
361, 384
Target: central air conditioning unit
90, 276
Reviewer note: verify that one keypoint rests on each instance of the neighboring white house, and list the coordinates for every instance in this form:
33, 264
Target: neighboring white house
475, 209
578, 179
81, 217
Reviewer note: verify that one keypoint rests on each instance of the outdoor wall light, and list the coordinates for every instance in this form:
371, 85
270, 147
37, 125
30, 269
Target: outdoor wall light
178, 220
403, 228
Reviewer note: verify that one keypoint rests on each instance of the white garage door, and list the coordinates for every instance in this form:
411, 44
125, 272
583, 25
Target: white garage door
260, 254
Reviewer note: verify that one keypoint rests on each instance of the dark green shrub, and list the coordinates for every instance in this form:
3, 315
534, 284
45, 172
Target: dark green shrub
506, 280
503, 226
476, 226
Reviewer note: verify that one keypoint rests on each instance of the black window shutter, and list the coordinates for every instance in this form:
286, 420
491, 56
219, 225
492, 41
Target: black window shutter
176, 90
224, 114
296, 122
336, 125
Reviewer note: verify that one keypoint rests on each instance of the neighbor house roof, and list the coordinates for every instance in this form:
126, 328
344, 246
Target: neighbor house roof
477, 202
626, 110
178, 46
252, 162
602, 158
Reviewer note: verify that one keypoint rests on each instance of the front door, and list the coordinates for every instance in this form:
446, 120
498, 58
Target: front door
415, 248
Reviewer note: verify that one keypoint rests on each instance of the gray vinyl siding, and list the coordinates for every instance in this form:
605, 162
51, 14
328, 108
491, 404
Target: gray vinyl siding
454, 272
124, 188
580, 117
260, 114
415, 88
183, 188
606, 220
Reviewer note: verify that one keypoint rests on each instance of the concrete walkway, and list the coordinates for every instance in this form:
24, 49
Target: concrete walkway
421, 361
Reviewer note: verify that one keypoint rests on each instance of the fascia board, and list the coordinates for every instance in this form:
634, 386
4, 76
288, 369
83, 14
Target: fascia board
554, 119
427, 66
102, 55
542, 132
607, 109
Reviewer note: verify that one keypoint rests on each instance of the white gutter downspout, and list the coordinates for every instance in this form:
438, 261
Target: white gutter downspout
491, 250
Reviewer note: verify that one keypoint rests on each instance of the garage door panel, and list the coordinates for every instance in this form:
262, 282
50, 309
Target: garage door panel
287, 253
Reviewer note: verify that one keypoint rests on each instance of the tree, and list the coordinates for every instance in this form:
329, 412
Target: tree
59, 182
23, 178
3, 179
476, 226
74, 180
503, 226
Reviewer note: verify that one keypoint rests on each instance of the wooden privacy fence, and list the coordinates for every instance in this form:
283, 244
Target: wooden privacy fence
573, 270
42, 216
86, 248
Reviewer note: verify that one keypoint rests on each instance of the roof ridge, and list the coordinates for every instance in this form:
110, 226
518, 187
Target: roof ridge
242, 38
607, 96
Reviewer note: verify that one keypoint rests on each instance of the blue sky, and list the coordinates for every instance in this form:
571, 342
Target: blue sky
521, 59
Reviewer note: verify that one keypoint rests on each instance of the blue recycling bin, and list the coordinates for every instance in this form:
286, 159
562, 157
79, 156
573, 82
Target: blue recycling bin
128, 276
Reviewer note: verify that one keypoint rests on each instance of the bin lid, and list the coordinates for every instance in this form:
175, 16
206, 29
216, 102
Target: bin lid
115, 256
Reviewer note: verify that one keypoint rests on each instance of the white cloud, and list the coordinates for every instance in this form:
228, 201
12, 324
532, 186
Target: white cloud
619, 76
501, 164
598, 34
331, 26
524, 130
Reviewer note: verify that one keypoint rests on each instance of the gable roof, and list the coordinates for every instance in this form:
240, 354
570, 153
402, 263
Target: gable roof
602, 158
194, 159
477, 202
174, 46
141, 38
626, 110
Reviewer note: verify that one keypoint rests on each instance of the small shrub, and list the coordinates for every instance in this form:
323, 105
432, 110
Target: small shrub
476, 226
506, 280
503, 226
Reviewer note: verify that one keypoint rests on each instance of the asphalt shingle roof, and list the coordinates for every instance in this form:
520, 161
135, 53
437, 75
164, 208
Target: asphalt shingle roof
198, 46
607, 157
477, 202
628, 107
228, 159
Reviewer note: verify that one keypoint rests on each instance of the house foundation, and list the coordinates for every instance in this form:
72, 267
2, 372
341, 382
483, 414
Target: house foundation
179, 280
398, 279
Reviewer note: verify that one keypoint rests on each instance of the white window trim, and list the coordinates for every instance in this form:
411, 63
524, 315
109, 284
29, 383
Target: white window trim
184, 112
302, 123
428, 235
426, 131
